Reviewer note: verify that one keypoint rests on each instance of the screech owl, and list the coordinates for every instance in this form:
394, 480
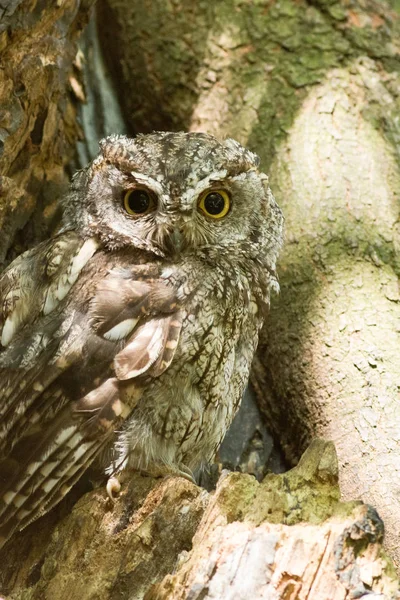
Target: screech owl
135, 326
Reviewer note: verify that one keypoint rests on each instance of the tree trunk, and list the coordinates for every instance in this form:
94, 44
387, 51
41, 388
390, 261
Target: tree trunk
313, 88
38, 126
329, 358
253, 543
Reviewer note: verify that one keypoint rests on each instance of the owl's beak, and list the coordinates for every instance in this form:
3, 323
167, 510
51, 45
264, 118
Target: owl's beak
174, 237
177, 239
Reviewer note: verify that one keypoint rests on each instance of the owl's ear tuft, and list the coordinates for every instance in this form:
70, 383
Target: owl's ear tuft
248, 160
116, 148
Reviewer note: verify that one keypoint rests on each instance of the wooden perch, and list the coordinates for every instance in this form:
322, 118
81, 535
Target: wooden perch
288, 537
285, 538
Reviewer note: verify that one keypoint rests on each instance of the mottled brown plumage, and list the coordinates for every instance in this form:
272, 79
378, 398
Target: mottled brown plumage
140, 317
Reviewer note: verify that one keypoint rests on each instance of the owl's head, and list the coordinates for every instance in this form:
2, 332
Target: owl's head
172, 193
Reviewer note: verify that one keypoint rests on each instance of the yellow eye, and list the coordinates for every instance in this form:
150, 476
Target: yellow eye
215, 203
139, 202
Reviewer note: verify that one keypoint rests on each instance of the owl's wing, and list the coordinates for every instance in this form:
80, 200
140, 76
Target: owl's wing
128, 329
33, 293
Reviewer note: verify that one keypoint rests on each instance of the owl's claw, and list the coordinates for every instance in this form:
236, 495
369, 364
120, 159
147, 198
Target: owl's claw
171, 471
113, 488
185, 472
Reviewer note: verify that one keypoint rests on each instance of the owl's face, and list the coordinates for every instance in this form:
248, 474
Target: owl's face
171, 193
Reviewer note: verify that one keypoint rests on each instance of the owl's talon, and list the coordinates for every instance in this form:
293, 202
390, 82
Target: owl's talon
113, 488
171, 471
186, 473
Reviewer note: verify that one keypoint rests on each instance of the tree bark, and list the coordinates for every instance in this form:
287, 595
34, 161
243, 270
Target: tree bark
38, 126
329, 357
313, 87
288, 537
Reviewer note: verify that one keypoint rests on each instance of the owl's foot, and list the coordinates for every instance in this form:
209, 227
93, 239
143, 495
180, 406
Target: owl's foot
184, 471
113, 488
179, 470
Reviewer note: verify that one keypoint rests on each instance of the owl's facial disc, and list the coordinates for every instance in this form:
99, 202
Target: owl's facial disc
171, 220
171, 194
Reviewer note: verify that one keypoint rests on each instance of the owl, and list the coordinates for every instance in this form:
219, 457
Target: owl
130, 334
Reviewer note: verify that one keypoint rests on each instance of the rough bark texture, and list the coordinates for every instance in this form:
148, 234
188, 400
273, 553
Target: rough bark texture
103, 550
314, 88
330, 356
288, 537
38, 127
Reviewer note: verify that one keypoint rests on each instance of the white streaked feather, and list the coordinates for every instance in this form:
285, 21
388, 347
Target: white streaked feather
37, 344
148, 181
80, 451
9, 328
19, 500
60, 288
72, 442
21, 514
48, 468
8, 497
50, 302
64, 285
14, 318
49, 484
64, 435
120, 331
148, 340
80, 259
32, 468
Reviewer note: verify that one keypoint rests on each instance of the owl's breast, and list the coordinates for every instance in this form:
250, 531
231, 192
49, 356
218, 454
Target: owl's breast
184, 414
222, 304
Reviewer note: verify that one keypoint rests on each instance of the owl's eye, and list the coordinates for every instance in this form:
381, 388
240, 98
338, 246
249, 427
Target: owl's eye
215, 203
138, 202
